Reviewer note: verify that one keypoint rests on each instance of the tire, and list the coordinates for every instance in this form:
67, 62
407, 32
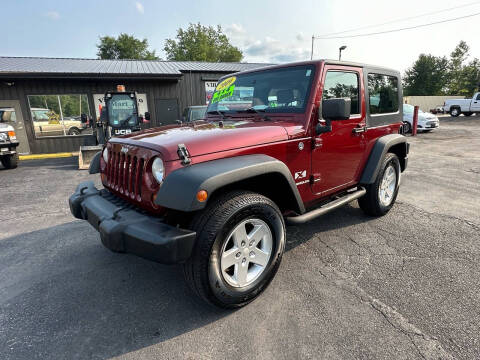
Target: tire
9, 161
467, 114
455, 112
407, 127
371, 203
73, 131
207, 272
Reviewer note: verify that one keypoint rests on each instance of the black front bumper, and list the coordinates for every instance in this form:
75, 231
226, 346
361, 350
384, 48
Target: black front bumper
8, 148
125, 229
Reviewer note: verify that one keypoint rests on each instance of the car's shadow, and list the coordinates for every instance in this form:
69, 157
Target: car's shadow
63, 295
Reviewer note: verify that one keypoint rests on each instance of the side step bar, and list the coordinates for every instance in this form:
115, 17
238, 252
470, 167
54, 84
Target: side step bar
300, 219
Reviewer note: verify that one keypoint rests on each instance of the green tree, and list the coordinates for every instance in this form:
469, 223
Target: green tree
202, 43
456, 68
471, 76
463, 79
124, 47
427, 76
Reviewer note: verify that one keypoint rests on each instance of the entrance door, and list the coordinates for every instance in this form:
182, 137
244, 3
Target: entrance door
337, 155
11, 114
166, 111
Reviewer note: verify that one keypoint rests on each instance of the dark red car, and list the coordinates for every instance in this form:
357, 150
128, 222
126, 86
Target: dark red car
283, 144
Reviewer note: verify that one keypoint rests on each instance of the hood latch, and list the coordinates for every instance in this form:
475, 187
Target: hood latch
183, 154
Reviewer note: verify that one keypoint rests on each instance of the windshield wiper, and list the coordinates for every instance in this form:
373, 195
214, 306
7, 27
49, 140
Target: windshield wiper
256, 111
252, 110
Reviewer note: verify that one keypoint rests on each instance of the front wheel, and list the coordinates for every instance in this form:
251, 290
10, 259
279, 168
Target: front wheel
239, 246
407, 127
381, 195
9, 161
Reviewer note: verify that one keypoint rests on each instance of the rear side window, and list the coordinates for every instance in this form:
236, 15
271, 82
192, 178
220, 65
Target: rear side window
341, 84
383, 93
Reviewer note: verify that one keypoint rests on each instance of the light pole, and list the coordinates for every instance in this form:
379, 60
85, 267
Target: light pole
340, 51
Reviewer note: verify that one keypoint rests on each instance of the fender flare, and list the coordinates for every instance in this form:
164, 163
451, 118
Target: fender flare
381, 147
179, 189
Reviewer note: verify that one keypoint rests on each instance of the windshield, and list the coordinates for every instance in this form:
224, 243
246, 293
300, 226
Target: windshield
122, 110
278, 90
41, 114
408, 109
198, 113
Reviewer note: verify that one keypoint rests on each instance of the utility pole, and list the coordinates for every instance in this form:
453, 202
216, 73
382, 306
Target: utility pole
311, 54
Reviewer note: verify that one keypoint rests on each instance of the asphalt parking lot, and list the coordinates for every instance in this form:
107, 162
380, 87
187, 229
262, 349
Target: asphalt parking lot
404, 286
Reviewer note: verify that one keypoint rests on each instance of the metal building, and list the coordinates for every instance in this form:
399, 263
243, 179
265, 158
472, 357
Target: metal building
43, 98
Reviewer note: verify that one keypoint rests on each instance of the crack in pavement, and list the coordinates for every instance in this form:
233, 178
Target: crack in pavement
427, 346
475, 226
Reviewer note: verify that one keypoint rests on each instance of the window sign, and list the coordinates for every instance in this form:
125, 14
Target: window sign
210, 87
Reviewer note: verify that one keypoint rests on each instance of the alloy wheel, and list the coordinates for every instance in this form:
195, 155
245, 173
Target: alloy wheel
386, 190
246, 252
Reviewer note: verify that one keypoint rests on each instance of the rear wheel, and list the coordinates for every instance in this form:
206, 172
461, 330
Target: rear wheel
239, 246
381, 195
74, 131
455, 112
9, 161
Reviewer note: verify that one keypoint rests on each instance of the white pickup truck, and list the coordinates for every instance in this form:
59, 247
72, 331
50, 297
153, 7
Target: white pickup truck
463, 106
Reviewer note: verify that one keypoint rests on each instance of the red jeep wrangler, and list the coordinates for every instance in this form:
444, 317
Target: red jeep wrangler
282, 144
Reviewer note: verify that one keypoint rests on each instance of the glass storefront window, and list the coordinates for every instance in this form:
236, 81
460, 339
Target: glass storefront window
60, 115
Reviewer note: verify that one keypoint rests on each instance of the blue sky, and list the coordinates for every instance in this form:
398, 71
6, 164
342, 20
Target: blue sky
267, 31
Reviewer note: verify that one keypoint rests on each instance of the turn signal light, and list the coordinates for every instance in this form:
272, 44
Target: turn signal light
202, 195
11, 133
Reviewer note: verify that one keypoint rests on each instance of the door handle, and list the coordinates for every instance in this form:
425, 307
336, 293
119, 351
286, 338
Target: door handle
359, 129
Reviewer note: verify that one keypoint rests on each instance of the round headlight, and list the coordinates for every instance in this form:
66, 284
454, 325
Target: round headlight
105, 155
158, 169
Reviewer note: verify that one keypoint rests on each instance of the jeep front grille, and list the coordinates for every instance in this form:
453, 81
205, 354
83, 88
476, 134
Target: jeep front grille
125, 174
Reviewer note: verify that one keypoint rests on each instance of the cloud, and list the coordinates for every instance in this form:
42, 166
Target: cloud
235, 30
272, 50
139, 7
53, 15
268, 48
300, 36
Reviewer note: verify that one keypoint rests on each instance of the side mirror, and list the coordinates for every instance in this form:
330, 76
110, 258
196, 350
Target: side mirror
336, 109
83, 118
147, 116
